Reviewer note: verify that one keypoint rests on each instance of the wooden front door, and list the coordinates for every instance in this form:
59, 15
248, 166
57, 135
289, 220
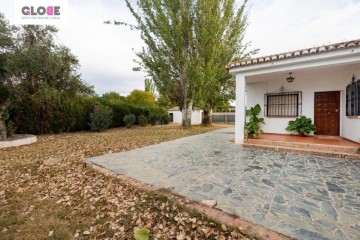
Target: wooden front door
327, 113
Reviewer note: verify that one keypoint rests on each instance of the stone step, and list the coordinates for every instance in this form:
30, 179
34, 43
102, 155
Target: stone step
304, 151
307, 146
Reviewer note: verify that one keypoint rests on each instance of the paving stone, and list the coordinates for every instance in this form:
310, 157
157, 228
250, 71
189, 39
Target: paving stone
227, 191
227, 181
323, 192
329, 210
206, 187
302, 196
357, 227
279, 199
340, 235
268, 182
309, 235
303, 212
266, 206
334, 188
259, 218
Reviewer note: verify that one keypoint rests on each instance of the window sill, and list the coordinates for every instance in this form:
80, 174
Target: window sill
353, 117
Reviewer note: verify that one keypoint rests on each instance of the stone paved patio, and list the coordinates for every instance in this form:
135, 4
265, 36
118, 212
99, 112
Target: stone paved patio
306, 197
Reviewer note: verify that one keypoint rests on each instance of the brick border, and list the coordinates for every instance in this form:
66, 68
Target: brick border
249, 228
303, 151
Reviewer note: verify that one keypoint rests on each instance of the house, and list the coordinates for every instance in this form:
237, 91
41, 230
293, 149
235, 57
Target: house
321, 83
176, 116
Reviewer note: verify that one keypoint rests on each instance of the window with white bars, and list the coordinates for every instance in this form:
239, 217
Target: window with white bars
283, 104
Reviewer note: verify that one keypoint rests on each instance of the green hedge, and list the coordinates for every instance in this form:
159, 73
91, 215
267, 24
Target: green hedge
51, 111
120, 110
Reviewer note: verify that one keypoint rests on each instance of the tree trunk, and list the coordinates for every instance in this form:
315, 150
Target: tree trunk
186, 116
3, 106
3, 133
207, 120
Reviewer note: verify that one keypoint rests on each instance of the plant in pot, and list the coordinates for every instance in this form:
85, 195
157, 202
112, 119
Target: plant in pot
302, 125
253, 126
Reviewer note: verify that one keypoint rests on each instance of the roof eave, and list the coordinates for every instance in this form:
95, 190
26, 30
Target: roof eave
292, 62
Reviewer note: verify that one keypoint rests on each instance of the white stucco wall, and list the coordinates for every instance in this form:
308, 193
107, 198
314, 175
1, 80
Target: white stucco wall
351, 126
196, 116
308, 81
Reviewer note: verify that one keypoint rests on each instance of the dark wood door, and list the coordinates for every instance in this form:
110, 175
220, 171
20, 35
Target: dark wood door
327, 113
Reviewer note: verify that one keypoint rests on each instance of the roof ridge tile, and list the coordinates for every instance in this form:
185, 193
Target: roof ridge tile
296, 53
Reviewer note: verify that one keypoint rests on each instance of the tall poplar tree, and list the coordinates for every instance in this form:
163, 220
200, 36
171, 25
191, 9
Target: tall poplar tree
188, 44
220, 28
166, 29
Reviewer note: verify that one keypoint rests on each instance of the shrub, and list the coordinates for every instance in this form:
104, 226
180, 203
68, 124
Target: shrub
158, 115
30, 115
9, 125
302, 125
10, 128
253, 128
119, 111
61, 107
153, 118
165, 118
51, 111
82, 108
100, 118
122, 109
130, 120
143, 121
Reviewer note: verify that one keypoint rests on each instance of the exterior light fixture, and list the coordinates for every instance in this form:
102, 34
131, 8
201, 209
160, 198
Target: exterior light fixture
353, 79
290, 79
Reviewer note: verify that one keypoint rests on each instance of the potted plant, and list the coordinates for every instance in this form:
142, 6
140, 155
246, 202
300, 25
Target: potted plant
253, 128
302, 125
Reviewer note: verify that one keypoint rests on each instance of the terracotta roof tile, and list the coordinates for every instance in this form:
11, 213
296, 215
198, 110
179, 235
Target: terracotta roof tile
295, 54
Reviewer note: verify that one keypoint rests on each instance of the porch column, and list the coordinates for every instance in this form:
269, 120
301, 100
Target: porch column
240, 109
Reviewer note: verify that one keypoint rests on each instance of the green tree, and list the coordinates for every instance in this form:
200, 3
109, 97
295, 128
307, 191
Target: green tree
165, 102
166, 29
139, 97
188, 45
38, 62
32, 61
113, 97
6, 45
220, 29
149, 86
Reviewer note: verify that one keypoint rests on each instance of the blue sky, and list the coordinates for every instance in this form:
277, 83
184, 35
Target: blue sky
106, 52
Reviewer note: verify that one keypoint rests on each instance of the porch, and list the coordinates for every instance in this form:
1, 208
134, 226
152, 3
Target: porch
313, 145
324, 87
